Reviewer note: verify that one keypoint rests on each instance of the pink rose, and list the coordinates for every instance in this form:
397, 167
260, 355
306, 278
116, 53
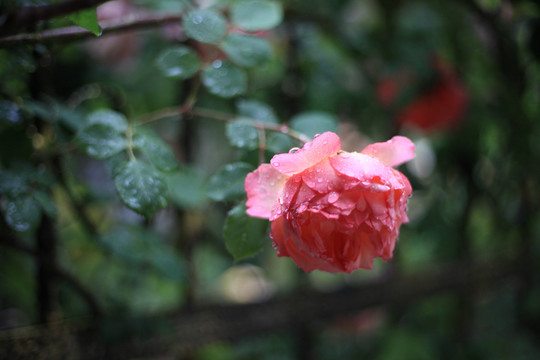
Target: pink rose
332, 210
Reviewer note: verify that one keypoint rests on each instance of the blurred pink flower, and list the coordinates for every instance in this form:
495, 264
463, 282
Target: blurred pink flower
333, 210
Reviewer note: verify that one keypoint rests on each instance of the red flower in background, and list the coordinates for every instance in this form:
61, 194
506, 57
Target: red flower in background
440, 108
333, 210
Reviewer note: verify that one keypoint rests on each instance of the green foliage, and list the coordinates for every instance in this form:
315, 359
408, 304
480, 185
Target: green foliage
170, 122
179, 62
223, 79
314, 122
207, 26
103, 135
255, 15
228, 183
256, 110
243, 234
155, 149
141, 187
142, 248
242, 134
246, 50
86, 19
22, 213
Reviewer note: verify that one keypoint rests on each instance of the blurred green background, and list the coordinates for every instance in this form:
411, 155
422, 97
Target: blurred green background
460, 78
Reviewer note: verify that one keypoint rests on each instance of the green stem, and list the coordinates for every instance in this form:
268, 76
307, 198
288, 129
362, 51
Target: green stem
221, 116
129, 135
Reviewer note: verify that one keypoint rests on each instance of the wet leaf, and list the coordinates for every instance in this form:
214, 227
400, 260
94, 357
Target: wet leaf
13, 183
101, 140
141, 188
255, 15
314, 122
155, 149
104, 134
247, 50
110, 118
223, 79
279, 143
178, 63
22, 213
242, 134
228, 183
257, 110
244, 235
205, 25
187, 188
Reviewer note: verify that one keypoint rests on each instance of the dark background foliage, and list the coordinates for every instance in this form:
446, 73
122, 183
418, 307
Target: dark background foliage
122, 161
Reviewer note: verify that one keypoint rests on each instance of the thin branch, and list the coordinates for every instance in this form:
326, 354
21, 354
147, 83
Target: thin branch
217, 115
73, 33
30, 15
220, 116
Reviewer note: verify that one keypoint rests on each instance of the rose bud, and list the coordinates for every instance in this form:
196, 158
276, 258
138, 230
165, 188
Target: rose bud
333, 210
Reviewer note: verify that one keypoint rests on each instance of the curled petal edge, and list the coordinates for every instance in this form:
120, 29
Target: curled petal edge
393, 152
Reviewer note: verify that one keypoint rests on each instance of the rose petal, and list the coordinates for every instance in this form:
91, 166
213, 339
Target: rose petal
366, 170
263, 187
320, 148
394, 152
321, 177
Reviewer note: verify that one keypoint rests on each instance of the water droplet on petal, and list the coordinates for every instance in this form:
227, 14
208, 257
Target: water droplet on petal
316, 135
275, 164
333, 197
325, 142
293, 150
319, 180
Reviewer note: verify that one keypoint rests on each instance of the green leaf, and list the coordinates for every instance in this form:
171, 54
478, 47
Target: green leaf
13, 183
255, 15
101, 141
228, 183
242, 134
187, 188
312, 123
110, 118
155, 149
138, 246
205, 25
104, 134
223, 79
247, 50
140, 187
46, 203
179, 62
86, 19
279, 143
243, 234
22, 213
256, 110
